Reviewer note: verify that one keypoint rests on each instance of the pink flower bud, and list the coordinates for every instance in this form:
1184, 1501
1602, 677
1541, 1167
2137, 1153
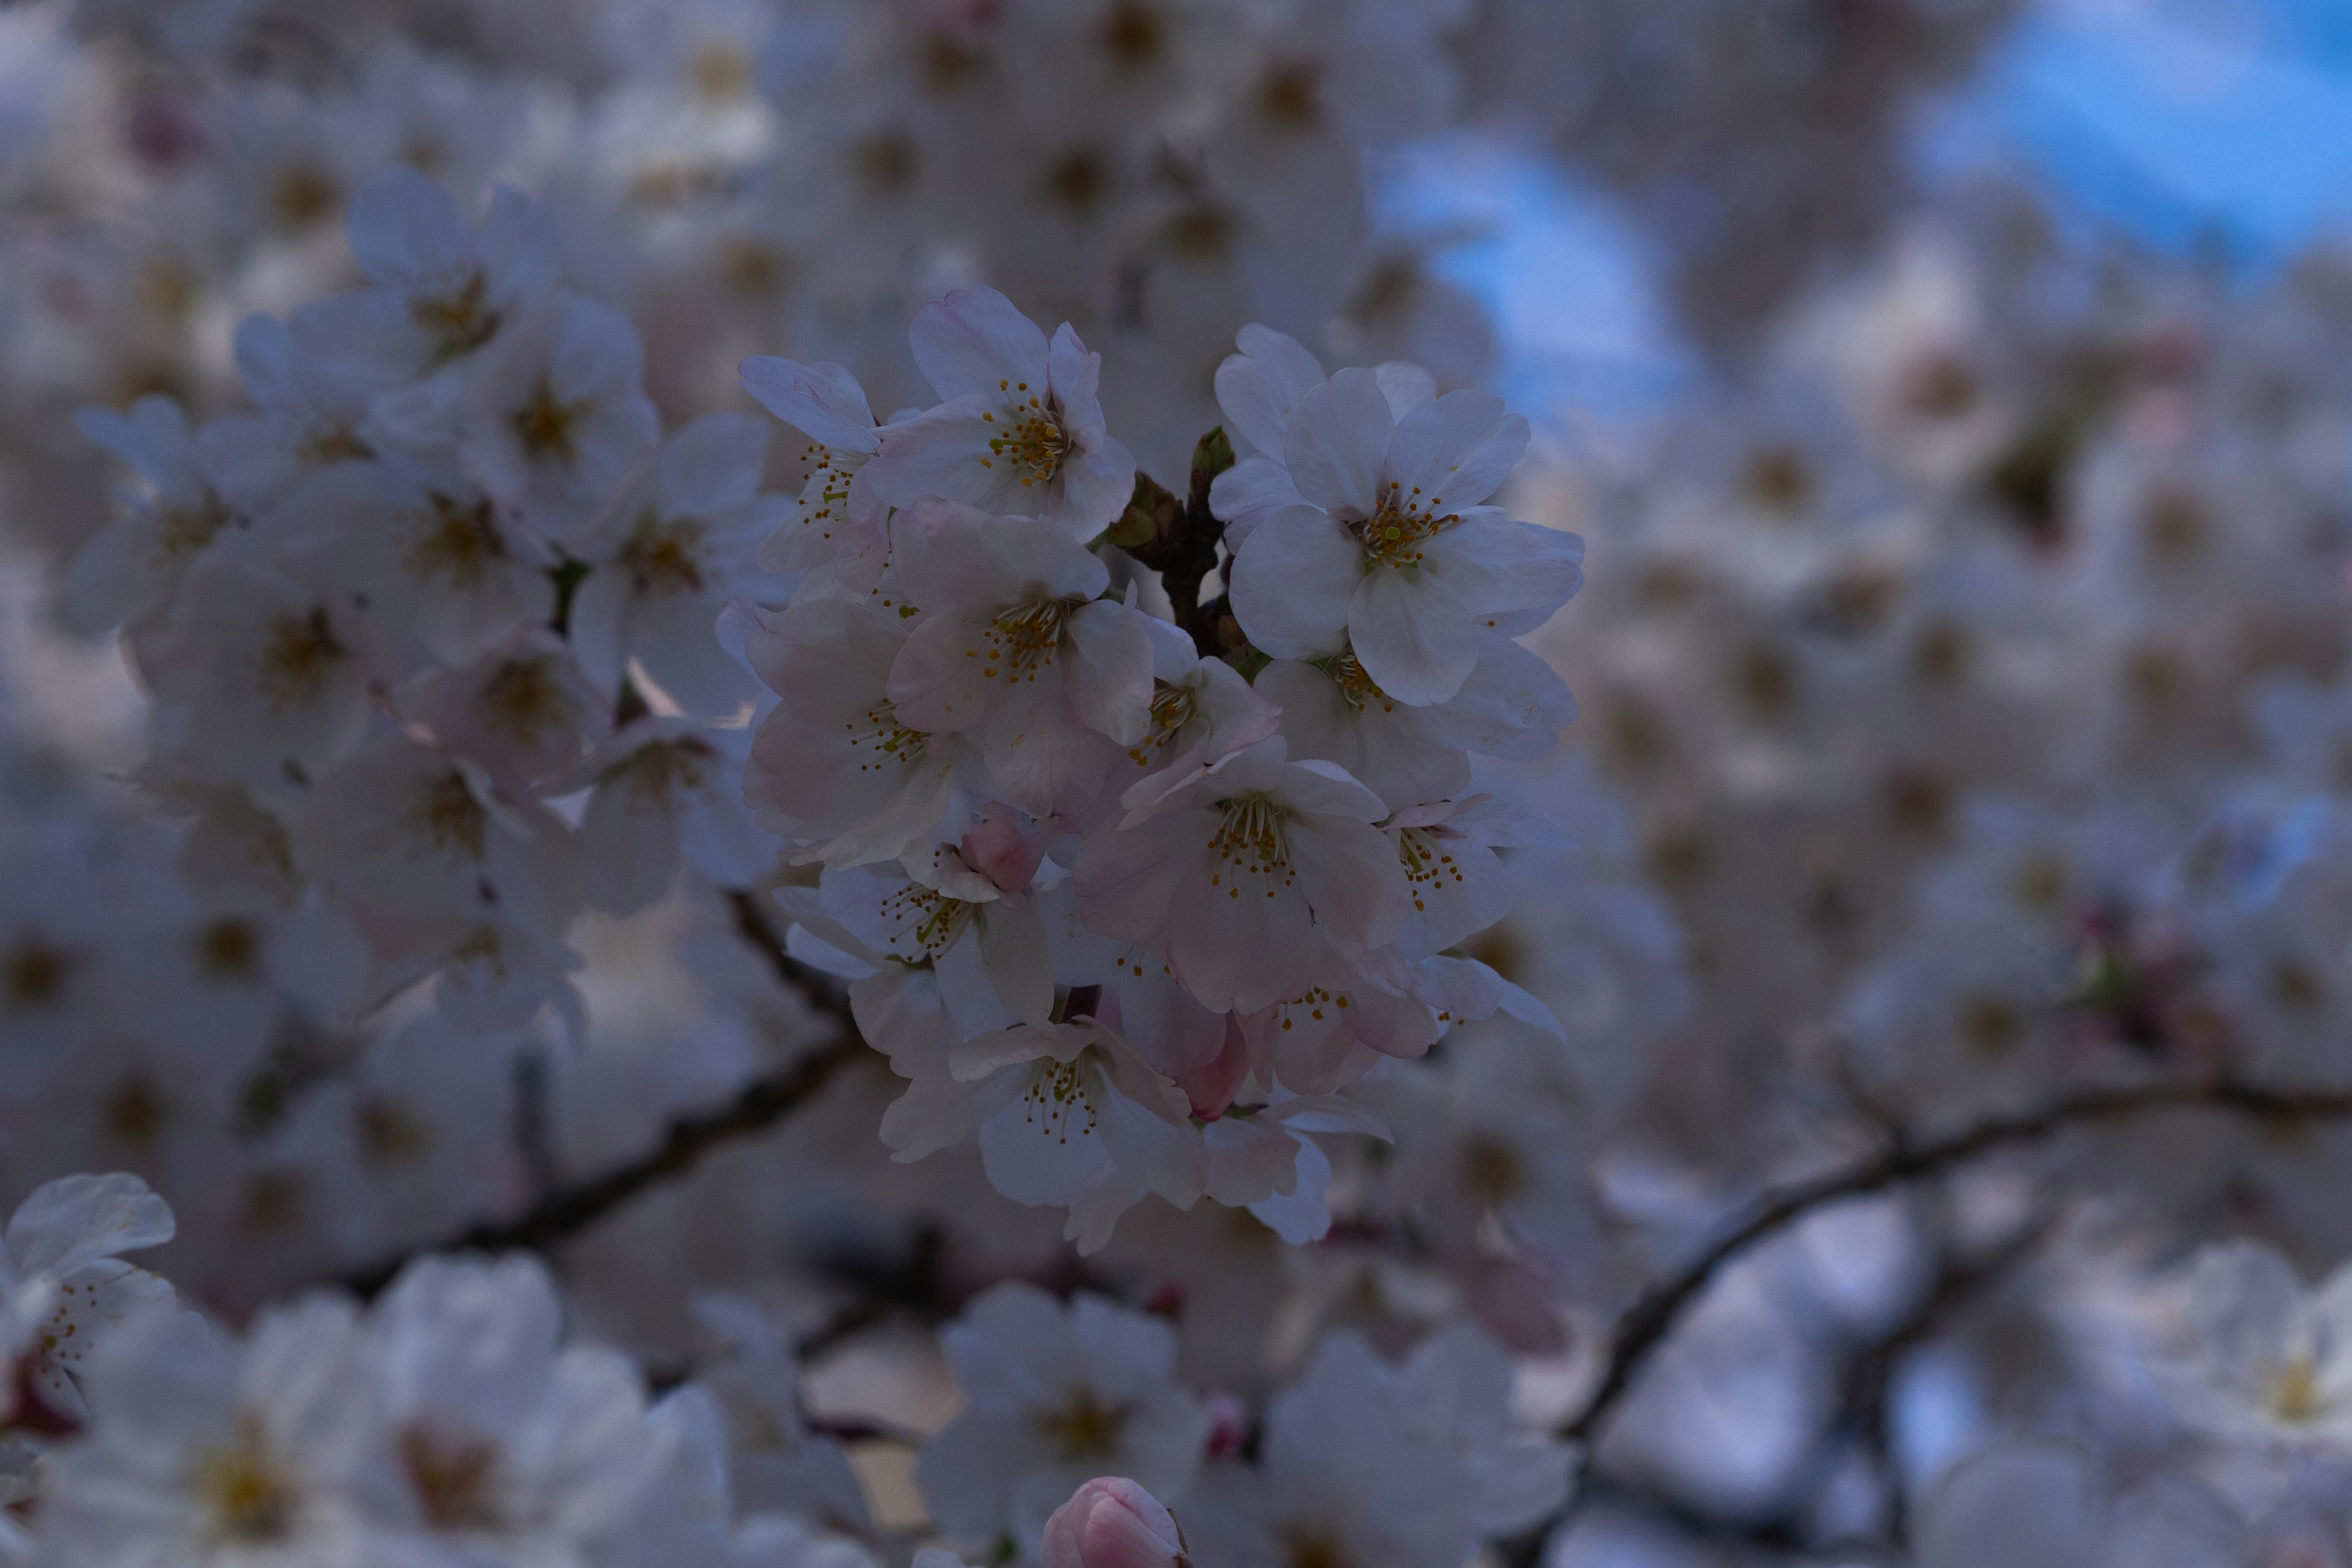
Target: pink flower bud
1004, 851
1229, 1426
1213, 1085
1111, 1522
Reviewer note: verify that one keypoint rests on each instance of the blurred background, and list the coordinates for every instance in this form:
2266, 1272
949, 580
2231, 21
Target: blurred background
1957, 398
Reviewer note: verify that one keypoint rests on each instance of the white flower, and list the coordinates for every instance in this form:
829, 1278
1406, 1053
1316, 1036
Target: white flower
2270, 1360
2028, 1504
775, 1461
898, 1006
499, 1439
1016, 645
307, 420
204, 1451
1512, 705
1258, 390
1454, 1393
1053, 1397
446, 575
668, 554
1338, 1021
133, 566
1262, 1158
1021, 432
522, 712
551, 420
987, 943
835, 523
1240, 871
1201, 709
410, 835
1339, 1480
1446, 849
1061, 1108
64, 1291
439, 292
665, 793
1387, 543
264, 675
833, 762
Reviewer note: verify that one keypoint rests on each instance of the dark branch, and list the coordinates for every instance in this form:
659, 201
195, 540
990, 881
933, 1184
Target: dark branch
1645, 1324
1178, 539
757, 1107
1859, 1416
1656, 1311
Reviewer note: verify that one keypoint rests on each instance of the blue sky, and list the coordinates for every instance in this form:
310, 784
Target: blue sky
2184, 123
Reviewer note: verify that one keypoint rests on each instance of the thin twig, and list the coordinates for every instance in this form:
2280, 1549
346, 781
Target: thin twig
1645, 1324
1654, 1312
757, 1107
1860, 1415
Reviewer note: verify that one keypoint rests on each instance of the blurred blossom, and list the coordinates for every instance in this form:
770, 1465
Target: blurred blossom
1277, 784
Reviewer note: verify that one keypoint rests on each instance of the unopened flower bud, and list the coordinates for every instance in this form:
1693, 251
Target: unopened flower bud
1111, 1522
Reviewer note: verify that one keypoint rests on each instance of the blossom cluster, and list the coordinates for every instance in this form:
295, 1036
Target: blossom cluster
1129, 916
454, 1420
581, 673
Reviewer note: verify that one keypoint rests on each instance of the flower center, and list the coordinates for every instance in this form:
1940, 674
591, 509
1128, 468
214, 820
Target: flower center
1314, 1551
250, 1501
458, 322
34, 972
927, 917
1428, 865
884, 742
1316, 1003
388, 1134
1059, 1093
1250, 841
663, 770
182, 530
827, 487
1358, 690
545, 426
664, 557
482, 945
454, 1479
335, 444
1033, 442
302, 196
1172, 708
135, 1111
2294, 1396
1492, 1170
523, 701
455, 545
1083, 1429
228, 949
450, 817
1394, 535
1132, 34
1022, 640
1290, 96
720, 72
303, 651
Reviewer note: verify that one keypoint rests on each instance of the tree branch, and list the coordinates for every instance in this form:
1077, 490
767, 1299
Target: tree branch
1178, 539
1655, 1310
757, 1107
1645, 1324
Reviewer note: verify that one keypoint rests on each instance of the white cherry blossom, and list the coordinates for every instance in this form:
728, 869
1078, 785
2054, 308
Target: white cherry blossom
1021, 432
1242, 872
